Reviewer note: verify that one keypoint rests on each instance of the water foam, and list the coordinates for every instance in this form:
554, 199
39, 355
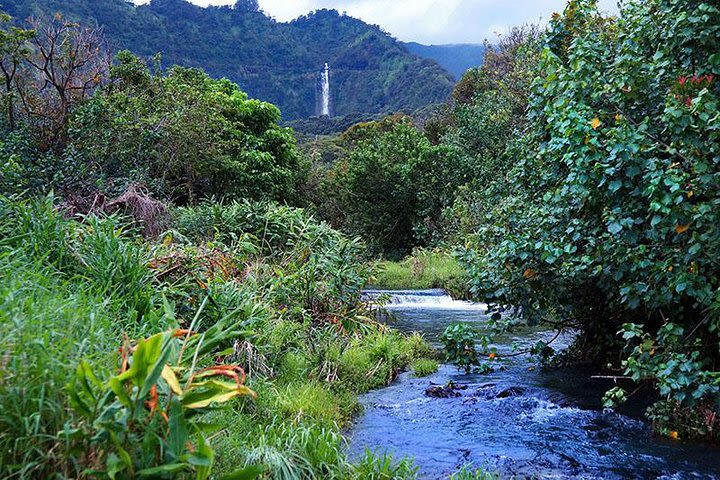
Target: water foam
420, 299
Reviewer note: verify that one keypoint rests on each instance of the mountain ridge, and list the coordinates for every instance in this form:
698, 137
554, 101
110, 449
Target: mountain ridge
371, 72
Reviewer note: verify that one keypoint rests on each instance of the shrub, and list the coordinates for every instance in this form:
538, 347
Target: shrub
200, 137
458, 340
610, 218
145, 419
393, 184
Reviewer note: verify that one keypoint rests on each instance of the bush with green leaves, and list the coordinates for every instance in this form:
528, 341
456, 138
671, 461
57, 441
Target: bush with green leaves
611, 211
180, 133
393, 184
146, 420
185, 135
459, 342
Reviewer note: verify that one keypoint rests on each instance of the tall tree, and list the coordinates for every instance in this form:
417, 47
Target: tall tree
68, 62
14, 52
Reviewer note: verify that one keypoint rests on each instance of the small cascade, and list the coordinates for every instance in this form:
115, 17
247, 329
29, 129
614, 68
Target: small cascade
423, 299
325, 91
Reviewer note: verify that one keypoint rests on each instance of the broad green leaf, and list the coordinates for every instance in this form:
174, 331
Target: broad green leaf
247, 473
163, 469
205, 399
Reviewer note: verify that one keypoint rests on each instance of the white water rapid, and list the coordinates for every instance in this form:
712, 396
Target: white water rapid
420, 299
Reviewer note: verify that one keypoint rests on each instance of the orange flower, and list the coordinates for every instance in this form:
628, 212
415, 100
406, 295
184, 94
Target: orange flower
491, 356
182, 333
152, 403
673, 435
595, 123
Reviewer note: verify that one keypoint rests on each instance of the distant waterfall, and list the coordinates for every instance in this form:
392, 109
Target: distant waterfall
325, 91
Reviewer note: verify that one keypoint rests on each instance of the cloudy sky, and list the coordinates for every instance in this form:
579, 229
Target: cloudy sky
426, 21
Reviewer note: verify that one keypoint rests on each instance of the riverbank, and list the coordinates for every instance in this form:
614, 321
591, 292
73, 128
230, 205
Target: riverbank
425, 269
207, 346
520, 421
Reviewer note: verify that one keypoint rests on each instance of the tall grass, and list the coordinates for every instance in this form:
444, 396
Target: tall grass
423, 270
63, 290
288, 307
373, 466
46, 327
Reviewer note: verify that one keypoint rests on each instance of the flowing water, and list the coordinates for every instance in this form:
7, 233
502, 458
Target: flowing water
325, 91
519, 421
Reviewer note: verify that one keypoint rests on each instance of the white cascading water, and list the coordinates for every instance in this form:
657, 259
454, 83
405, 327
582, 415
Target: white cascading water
424, 299
325, 90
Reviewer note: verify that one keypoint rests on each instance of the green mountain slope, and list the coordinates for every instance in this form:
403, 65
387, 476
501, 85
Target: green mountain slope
456, 59
371, 72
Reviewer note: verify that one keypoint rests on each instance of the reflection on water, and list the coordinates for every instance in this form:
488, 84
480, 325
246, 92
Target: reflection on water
548, 426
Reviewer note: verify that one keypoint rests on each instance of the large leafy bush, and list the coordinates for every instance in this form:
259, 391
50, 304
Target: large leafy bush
184, 134
393, 185
613, 210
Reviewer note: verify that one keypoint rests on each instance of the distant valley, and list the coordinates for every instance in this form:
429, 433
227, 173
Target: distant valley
455, 58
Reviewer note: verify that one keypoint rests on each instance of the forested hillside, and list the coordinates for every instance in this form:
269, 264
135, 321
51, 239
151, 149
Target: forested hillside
279, 62
163, 313
191, 290
577, 175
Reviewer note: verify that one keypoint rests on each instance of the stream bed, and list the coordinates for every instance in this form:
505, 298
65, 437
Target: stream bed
520, 421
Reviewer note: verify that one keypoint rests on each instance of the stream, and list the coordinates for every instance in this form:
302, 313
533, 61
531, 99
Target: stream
521, 421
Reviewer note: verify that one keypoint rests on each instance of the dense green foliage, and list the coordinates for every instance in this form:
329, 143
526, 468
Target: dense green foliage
139, 338
578, 169
608, 220
278, 62
182, 135
401, 187
281, 311
391, 185
185, 135
458, 341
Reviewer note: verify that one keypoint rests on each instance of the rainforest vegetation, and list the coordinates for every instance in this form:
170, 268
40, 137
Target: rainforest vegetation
371, 72
181, 282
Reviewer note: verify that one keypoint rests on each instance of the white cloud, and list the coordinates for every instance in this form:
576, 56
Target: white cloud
426, 21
